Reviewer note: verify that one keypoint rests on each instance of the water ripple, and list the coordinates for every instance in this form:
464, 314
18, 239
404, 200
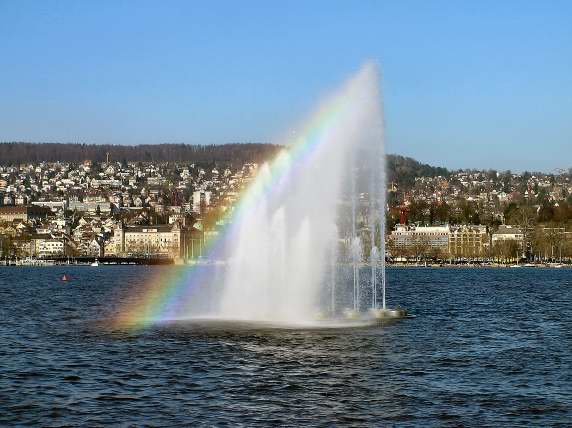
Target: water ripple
488, 348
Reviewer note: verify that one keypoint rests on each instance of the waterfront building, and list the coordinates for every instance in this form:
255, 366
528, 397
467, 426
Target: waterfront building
440, 241
53, 247
508, 233
410, 237
162, 240
468, 241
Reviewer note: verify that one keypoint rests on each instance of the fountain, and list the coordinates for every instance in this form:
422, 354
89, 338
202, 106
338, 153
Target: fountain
280, 243
279, 251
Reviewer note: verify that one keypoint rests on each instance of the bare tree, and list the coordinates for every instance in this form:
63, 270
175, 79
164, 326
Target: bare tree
539, 242
524, 217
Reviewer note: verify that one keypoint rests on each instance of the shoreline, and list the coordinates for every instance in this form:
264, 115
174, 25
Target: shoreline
170, 262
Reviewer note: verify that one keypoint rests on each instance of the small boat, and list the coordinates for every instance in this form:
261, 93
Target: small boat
65, 277
95, 263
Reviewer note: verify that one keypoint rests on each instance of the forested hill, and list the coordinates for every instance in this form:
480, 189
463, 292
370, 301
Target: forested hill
401, 170
16, 153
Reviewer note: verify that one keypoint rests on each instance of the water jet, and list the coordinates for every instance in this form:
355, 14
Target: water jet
283, 253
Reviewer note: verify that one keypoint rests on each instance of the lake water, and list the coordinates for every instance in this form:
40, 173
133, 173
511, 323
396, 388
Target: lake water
488, 347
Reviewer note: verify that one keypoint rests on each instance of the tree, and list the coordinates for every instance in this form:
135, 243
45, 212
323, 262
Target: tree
441, 213
509, 250
437, 253
5, 246
392, 248
420, 246
555, 239
539, 242
419, 212
510, 211
524, 217
567, 248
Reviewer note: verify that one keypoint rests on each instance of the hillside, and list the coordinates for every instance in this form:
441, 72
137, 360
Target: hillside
16, 153
400, 169
403, 170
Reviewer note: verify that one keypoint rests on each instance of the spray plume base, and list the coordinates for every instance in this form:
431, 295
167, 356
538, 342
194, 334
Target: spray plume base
389, 313
376, 314
229, 324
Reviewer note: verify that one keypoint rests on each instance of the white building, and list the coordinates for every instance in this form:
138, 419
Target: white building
432, 236
157, 240
197, 201
508, 233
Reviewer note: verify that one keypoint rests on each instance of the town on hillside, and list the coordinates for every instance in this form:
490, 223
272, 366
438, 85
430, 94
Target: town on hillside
143, 212
153, 211
483, 215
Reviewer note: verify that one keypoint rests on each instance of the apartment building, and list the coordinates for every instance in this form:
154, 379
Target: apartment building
468, 241
436, 237
168, 240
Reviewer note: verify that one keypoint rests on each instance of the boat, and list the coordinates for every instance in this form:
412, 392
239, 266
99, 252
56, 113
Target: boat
65, 277
95, 263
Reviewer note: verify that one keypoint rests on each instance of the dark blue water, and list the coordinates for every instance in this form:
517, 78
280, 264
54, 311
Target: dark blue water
489, 347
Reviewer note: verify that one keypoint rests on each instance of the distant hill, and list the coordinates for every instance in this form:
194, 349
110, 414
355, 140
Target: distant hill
403, 170
16, 153
400, 169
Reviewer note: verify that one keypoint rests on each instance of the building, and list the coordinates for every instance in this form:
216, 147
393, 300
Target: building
90, 206
508, 242
508, 233
52, 205
48, 245
468, 241
420, 239
51, 248
22, 213
440, 241
196, 202
90, 246
21, 247
163, 240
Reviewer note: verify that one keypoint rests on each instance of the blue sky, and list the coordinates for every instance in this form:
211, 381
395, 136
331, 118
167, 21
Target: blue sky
484, 84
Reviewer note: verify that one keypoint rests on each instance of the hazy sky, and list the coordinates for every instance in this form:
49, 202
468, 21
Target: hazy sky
466, 83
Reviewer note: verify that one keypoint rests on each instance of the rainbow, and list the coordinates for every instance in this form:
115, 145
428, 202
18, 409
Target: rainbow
165, 294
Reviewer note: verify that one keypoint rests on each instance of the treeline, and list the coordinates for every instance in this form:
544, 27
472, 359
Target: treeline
16, 153
464, 212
